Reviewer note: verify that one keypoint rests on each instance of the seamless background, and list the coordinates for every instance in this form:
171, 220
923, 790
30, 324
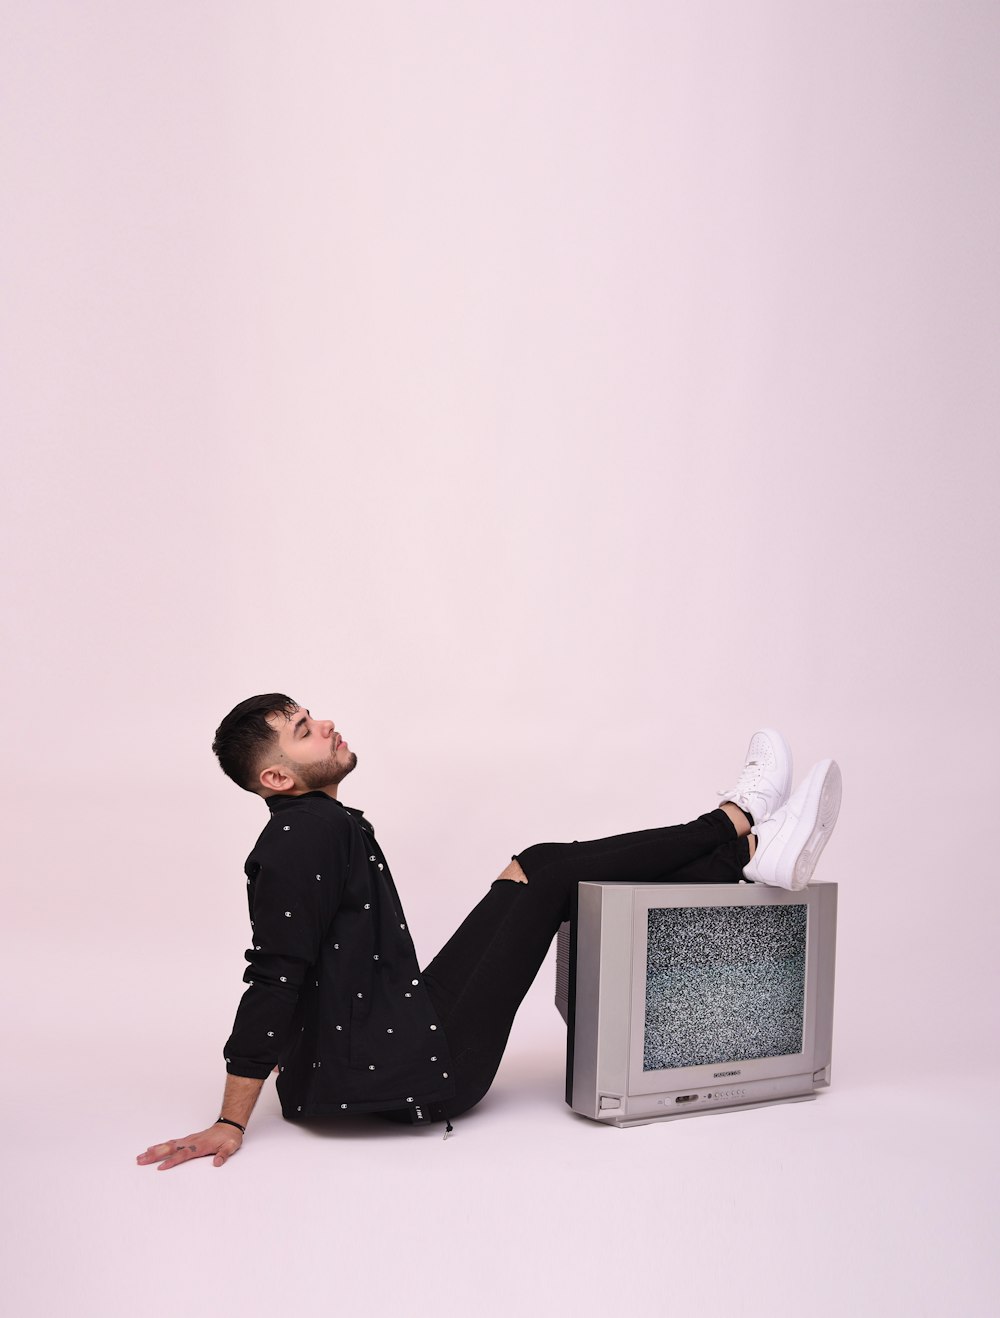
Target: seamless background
550, 394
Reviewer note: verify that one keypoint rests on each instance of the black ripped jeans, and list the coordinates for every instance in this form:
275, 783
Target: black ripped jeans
479, 978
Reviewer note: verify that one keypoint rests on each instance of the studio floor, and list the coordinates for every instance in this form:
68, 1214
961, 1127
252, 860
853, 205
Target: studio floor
877, 1198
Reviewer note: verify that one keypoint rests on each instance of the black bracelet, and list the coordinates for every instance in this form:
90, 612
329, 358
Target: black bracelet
241, 1129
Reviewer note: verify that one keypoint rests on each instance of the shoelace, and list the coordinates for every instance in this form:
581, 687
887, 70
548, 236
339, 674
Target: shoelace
748, 780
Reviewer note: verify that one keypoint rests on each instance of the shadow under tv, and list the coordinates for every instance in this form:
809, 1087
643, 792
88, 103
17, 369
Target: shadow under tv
682, 999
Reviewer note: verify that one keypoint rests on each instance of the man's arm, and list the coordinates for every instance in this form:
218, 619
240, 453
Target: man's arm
300, 871
219, 1141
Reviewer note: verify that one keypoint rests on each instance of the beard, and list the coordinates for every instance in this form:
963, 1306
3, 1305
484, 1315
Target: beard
327, 773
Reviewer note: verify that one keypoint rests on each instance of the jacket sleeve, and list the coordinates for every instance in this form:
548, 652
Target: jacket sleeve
297, 874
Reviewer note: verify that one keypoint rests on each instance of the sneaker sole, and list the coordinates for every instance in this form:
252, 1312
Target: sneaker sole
828, 809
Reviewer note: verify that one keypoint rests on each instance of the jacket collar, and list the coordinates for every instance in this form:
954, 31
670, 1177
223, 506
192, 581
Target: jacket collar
278, 803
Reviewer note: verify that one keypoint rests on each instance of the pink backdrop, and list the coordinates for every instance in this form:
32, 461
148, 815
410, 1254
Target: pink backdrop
549, 393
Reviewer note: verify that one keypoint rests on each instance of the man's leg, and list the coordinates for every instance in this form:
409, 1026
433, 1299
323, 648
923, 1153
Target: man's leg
479, 978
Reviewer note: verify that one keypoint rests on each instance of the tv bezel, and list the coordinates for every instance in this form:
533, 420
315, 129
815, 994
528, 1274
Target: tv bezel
642, 1081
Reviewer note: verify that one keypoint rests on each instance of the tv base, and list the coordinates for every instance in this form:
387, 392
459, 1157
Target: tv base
622, 1122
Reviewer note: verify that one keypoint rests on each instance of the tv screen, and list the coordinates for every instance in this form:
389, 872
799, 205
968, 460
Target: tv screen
723, 984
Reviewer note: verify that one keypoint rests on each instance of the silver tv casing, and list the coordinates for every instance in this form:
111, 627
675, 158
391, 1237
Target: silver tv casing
601, 990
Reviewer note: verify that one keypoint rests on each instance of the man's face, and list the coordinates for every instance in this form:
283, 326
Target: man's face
311, 751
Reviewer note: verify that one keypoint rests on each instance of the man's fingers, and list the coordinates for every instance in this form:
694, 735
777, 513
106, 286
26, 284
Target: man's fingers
176, 1153
183, 1153
157, 1151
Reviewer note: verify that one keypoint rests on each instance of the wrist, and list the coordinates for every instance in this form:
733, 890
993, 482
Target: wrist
228, 1121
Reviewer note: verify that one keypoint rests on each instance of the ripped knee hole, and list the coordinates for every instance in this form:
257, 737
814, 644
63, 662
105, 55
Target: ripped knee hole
514, 873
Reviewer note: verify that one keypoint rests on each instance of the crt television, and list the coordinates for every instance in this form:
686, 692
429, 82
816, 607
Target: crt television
682, 999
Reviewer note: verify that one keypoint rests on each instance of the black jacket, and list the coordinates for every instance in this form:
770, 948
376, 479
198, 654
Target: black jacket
336, 996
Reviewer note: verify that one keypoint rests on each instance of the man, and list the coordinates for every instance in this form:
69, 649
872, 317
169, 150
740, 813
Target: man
336, 1001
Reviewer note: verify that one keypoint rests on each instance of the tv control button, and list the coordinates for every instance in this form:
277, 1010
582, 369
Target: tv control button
608, 1101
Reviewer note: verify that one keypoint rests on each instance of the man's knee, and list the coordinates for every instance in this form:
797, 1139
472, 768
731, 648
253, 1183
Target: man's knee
536, 858
514, 872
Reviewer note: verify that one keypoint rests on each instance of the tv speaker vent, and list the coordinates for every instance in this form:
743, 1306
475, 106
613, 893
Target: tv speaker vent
562, 971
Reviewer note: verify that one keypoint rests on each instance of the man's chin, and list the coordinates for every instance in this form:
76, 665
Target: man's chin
329, 775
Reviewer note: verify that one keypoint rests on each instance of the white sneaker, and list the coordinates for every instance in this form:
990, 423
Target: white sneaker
789, 842
766, 779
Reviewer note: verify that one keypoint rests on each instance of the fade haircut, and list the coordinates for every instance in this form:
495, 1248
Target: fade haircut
244, 739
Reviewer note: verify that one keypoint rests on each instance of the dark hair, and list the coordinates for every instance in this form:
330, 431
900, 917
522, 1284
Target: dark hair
244, 738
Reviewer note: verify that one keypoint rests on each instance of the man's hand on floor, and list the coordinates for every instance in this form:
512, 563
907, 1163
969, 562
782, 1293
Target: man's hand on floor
218, 1142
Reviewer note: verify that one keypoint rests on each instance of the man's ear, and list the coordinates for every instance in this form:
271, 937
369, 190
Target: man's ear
275, 779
